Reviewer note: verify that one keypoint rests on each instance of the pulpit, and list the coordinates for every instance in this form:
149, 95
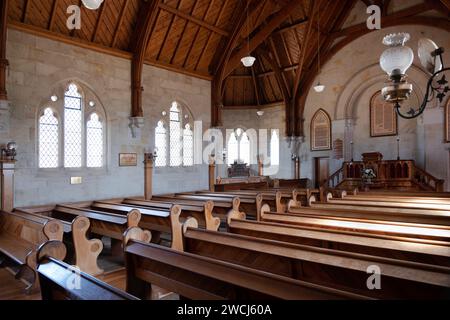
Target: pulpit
238, 170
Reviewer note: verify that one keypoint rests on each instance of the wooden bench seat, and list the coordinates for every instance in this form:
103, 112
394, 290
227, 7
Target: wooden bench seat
390, 204
60, 281
201, 278
386, 198
403, 248
409, 230
156, 218
20, 238
337, 269
432, 217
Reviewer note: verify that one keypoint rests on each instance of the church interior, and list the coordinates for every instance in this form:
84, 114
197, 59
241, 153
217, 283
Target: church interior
224, 149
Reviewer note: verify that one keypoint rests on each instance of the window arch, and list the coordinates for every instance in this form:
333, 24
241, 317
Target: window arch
175, 147
321, 131
80, 142
238, 147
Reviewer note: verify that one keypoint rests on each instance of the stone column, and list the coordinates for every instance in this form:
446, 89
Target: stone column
212, 173
7, 168
297, 168
149, 160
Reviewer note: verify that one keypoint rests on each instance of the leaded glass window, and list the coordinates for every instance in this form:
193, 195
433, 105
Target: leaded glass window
233, 149
188, 146
72, 127
48, 140
244, 149
82, 140
175, 136
175, 145
160, 144
94, 139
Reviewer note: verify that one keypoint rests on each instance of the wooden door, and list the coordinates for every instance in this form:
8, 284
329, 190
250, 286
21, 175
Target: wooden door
322, 171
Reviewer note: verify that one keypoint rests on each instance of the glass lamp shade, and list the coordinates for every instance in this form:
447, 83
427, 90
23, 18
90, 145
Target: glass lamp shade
319, 87
92, 4
397, 59
248, 61
260, 113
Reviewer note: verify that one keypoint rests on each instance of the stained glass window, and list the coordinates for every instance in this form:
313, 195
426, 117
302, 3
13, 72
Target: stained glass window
160, 144
48, 140
233, 149
175, 136
188, 146
274, 149
94, 142
72, 127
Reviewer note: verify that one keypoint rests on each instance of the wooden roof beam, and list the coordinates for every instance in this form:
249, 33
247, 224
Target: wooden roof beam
261, 36
98, 22
144, 30
119, 23
188, 17
52, 15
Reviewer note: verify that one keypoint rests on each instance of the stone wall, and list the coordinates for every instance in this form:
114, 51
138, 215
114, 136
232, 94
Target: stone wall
37, 64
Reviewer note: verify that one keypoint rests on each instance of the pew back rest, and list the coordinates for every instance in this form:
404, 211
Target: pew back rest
60, 281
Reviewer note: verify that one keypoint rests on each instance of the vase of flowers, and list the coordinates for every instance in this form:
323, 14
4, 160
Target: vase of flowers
368, 174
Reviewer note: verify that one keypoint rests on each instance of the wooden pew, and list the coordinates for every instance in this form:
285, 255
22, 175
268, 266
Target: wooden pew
406, 193
408, 230
386, 198
86, 251
388, 204
221, 206
240, 186
336, 269
60, 281
21, 237
247, 205
403, 248
201, 278
277, 200
433, 217
155, 216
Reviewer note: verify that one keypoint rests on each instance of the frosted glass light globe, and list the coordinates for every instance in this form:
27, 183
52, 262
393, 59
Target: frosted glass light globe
319, 87
248, 61
92, 4
398, 58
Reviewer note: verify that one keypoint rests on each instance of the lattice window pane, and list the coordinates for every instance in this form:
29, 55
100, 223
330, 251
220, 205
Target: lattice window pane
94, 142
72, 127
233, 149
161, 145
244, 149
188, 146
175, 136
48, 140
274, 149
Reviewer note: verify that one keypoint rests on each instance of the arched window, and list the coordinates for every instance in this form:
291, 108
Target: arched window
238, 147
73, 113
160, 144
274, 149
321, 131
94, 139
180, 140
48, 140
82, 140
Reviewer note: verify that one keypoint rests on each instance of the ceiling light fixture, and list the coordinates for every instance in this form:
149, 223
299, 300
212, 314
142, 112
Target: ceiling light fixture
92, 4
318, 87
260, 113
249, 60
397, 59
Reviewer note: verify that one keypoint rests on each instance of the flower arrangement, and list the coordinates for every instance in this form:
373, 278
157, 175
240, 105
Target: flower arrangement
368, 174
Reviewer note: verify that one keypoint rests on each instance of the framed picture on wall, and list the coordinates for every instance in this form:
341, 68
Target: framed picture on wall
383, 118
127, 159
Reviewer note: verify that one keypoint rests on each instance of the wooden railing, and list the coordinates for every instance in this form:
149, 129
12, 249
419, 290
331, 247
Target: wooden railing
427, 181
389, 174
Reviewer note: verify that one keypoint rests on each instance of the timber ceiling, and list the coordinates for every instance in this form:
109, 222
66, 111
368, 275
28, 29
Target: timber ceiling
207, 38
